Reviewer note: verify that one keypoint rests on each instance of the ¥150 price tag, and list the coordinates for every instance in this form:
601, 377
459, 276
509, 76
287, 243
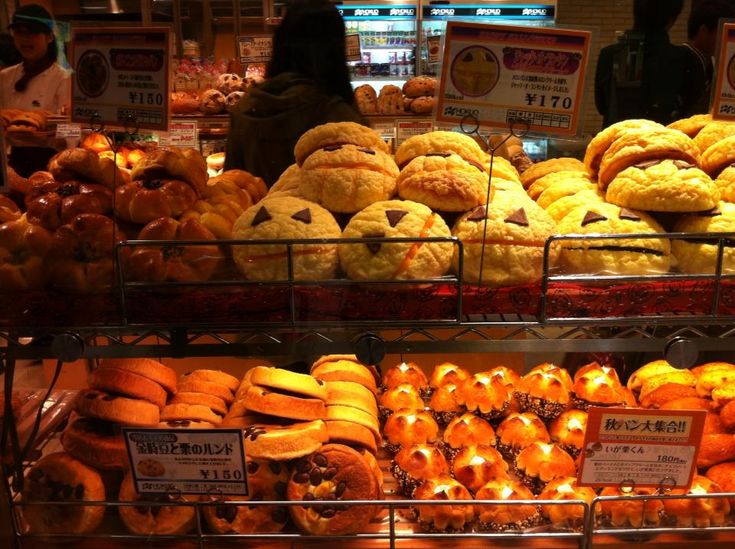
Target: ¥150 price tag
187, 461
641, 448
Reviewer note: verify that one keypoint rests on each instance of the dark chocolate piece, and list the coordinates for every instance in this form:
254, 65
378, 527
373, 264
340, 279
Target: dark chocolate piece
394, 216
646, 164
374, 247
366, 150
260, 217
442, 154
592, 217
303, 215
478, 214
332, 148
518, 217
683, 164
625, 213
320, 459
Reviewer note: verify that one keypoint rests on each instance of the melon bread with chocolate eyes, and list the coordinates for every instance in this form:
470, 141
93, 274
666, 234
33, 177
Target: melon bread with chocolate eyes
601, 142
336, 472
286, 217
626, 256
551, 166
691, 125
663, 186
60, 478
698, 254
440, 142
288, 183
337, 133
395, 260
347, 178
267, 481
513, 233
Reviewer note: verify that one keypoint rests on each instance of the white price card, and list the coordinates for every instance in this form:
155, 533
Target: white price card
255, 49
187, 461
69, 131
387, 130
121, 77
354, 51
433, 46
723, 99
498, 73
409, 128
640, 448
183, 134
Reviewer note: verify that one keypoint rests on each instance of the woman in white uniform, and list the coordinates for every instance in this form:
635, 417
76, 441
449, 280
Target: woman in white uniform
37, 83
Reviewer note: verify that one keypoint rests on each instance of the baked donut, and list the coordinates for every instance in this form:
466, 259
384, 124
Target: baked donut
443, 518
126, 383
146, 367
348, 178
499, 517
212, 102
345, 368
405, 372
285, 217
154, 519
504, 242
474, 466
395, 260
444, 404
142, 201
697, 255
465, 431
620, 256
61, 478
663, 186
23, 247
638, 146
443, 181
636, 513
540, 462
267, 481
485, 396
568, 431
97, 443
52, 204
440, 142
519, 430
698, 512
282, 442
566, 516
338, 133
117, 409
366, 99
335, 472
401, 397
416, 463
407, 427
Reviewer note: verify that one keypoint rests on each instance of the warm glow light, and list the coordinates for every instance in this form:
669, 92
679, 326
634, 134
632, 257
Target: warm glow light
545, 448
574, 423
403, 367
425, 451
600, 379
565, 489
411, 418
477, 460
524, 419
699, 490
506, 492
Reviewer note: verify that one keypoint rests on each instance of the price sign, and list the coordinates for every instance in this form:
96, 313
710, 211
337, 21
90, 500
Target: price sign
433, 46
69, 131
497, 73
121, 77
187, 461
723, 102
352, 42
387, 130
409, 128
255, 49
641, 448
183, 134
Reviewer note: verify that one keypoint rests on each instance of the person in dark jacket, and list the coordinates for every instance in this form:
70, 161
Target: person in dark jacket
307, 84
644, 75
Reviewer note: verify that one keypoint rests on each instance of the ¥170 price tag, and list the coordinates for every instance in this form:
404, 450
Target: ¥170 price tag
187, 461
553, 101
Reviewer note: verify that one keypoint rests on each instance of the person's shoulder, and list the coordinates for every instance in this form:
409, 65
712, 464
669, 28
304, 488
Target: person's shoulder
58, 71
11, 70
339, 110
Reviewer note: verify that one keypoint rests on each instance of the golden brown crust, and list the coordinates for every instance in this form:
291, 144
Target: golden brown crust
565, 488
282, 442
124, 382
196, 412
407, 427
117, 409
214, 403
474, 466
698, 512
348, 393
264, 401
160, 520
147, 367
352, 434
337, 133
505, 517
622, 513
665, 393
403, 396
540, 169
468, 430
187, 384
97, 443
405, 372
443, 518
345, 368
484, 395
279, 379
215, 376
716, 448
602, 141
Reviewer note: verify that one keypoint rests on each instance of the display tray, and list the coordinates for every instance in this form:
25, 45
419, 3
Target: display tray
233, 302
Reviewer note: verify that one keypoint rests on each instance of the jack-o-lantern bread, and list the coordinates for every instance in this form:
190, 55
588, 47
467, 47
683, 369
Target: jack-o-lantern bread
444, 181
626, 256
288, 183
267, 481
502, 168
663, 186
335, 472
513, 235
53, 204
544, 169
23, 247
185, 165
558, 188
691, 125
372, 260
337, 133
286, 217
441, 142
61, 478
81, 255
604, 139
174, 263
698, 254
638, 146
712, 133
143, 201
347, 178
552, 179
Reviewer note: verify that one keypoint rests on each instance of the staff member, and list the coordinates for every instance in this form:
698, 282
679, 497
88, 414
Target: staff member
307, 84
37, 83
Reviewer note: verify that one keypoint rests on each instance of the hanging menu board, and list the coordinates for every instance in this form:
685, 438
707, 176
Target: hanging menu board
499, 73
121, 77
723, 100
255, 49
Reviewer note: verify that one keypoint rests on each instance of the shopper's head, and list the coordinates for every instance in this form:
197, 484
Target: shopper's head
655, 15
703, 22
311, 41
32, 29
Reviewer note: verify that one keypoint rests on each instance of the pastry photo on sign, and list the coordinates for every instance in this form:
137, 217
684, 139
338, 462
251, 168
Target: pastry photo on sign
92, 73
474, 71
